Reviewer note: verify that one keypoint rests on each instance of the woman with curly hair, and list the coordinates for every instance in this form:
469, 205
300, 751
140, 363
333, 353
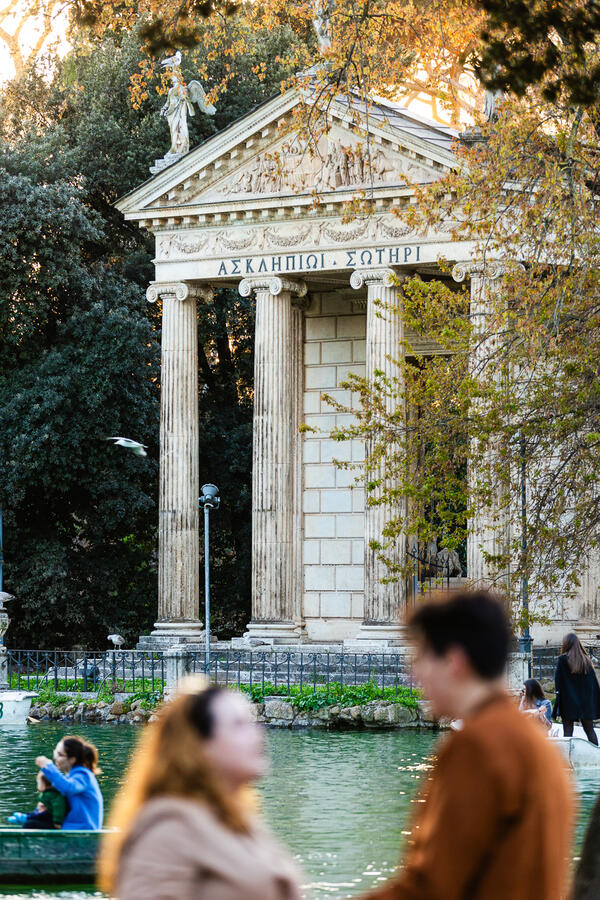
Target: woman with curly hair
185, 820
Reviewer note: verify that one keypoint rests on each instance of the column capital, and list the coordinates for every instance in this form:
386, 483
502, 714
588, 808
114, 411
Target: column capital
380, 277
491, 269
274, 284
179, 290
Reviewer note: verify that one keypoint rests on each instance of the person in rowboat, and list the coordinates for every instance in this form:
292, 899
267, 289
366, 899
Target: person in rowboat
185, 824
73, 774
50, 810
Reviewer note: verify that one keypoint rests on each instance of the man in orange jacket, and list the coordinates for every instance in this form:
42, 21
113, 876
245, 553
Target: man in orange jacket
496, 821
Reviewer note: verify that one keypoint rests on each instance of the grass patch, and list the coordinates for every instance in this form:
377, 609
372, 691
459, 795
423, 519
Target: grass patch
310, 697
305, 697
44, 685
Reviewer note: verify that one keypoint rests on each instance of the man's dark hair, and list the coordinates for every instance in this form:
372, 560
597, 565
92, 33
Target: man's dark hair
473, 620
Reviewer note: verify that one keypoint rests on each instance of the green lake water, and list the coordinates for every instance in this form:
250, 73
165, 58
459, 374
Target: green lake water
341, 801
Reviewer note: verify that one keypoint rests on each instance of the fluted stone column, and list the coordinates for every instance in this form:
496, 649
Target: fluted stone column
489, 531
276, 484
178, 560
385, 603
299, 303
587, 605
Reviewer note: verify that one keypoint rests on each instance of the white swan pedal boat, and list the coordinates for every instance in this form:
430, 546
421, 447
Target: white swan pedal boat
578, 751
15, 706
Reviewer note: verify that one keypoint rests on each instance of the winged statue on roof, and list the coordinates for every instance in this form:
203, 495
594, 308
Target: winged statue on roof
323, 12
180, 103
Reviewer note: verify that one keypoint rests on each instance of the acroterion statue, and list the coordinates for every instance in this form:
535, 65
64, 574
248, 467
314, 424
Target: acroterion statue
179, 103
323, 10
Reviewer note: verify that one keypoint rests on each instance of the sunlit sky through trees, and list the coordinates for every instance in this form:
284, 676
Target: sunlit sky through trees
32, 32
42, 30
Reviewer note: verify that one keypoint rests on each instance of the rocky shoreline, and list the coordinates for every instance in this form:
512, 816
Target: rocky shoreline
119, 712
275, 712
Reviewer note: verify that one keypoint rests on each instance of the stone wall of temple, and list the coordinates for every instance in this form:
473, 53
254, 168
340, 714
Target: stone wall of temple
333, 507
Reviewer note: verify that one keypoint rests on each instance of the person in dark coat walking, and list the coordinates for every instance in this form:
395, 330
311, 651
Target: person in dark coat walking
577, 689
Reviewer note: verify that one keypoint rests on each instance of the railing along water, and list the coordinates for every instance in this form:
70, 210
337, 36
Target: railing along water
269, 671
74, 671
303, 670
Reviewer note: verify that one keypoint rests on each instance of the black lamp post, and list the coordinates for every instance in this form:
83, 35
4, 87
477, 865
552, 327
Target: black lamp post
525, 641
209, 500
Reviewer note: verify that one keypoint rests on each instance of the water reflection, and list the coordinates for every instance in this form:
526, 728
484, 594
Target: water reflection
342, 802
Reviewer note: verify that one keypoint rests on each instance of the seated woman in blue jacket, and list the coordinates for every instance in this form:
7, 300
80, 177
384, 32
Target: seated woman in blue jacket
74, 777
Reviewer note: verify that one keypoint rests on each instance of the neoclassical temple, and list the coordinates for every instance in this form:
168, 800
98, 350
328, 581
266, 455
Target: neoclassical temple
239, 211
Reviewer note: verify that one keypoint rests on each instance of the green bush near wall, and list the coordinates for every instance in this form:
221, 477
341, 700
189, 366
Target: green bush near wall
303, 697
334, 694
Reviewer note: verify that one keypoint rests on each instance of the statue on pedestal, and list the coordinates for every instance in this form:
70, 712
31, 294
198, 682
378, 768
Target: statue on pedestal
179, 103
180, 100
492, 100
4, 623
4, 620
323, 10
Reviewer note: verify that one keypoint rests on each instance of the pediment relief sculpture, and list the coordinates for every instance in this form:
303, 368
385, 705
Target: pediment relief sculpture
340, 162
343, 165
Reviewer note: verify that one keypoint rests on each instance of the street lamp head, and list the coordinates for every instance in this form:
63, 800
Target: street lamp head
210, 496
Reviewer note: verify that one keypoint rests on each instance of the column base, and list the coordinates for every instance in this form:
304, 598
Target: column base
587, 632
270, 633
173, 634
378, 634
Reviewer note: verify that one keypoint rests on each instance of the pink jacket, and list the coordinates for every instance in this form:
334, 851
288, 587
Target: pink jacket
179, 850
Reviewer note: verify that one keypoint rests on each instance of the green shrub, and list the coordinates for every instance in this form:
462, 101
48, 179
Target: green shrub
150, 699
308, 697
305, 697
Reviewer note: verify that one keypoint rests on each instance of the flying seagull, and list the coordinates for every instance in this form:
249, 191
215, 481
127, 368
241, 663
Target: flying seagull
172, 61
135, 446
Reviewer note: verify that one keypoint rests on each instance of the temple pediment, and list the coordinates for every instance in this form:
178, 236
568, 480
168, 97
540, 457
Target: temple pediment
340, 161
261, 160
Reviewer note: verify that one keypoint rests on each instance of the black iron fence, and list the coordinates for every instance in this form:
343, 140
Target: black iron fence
545, 659
270, 671
544, 663
316, 671
70, 671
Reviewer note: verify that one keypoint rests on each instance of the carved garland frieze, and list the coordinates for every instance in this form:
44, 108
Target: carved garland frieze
341, 235
274, 238
394, 229
317, 235
229, 242
177, 243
